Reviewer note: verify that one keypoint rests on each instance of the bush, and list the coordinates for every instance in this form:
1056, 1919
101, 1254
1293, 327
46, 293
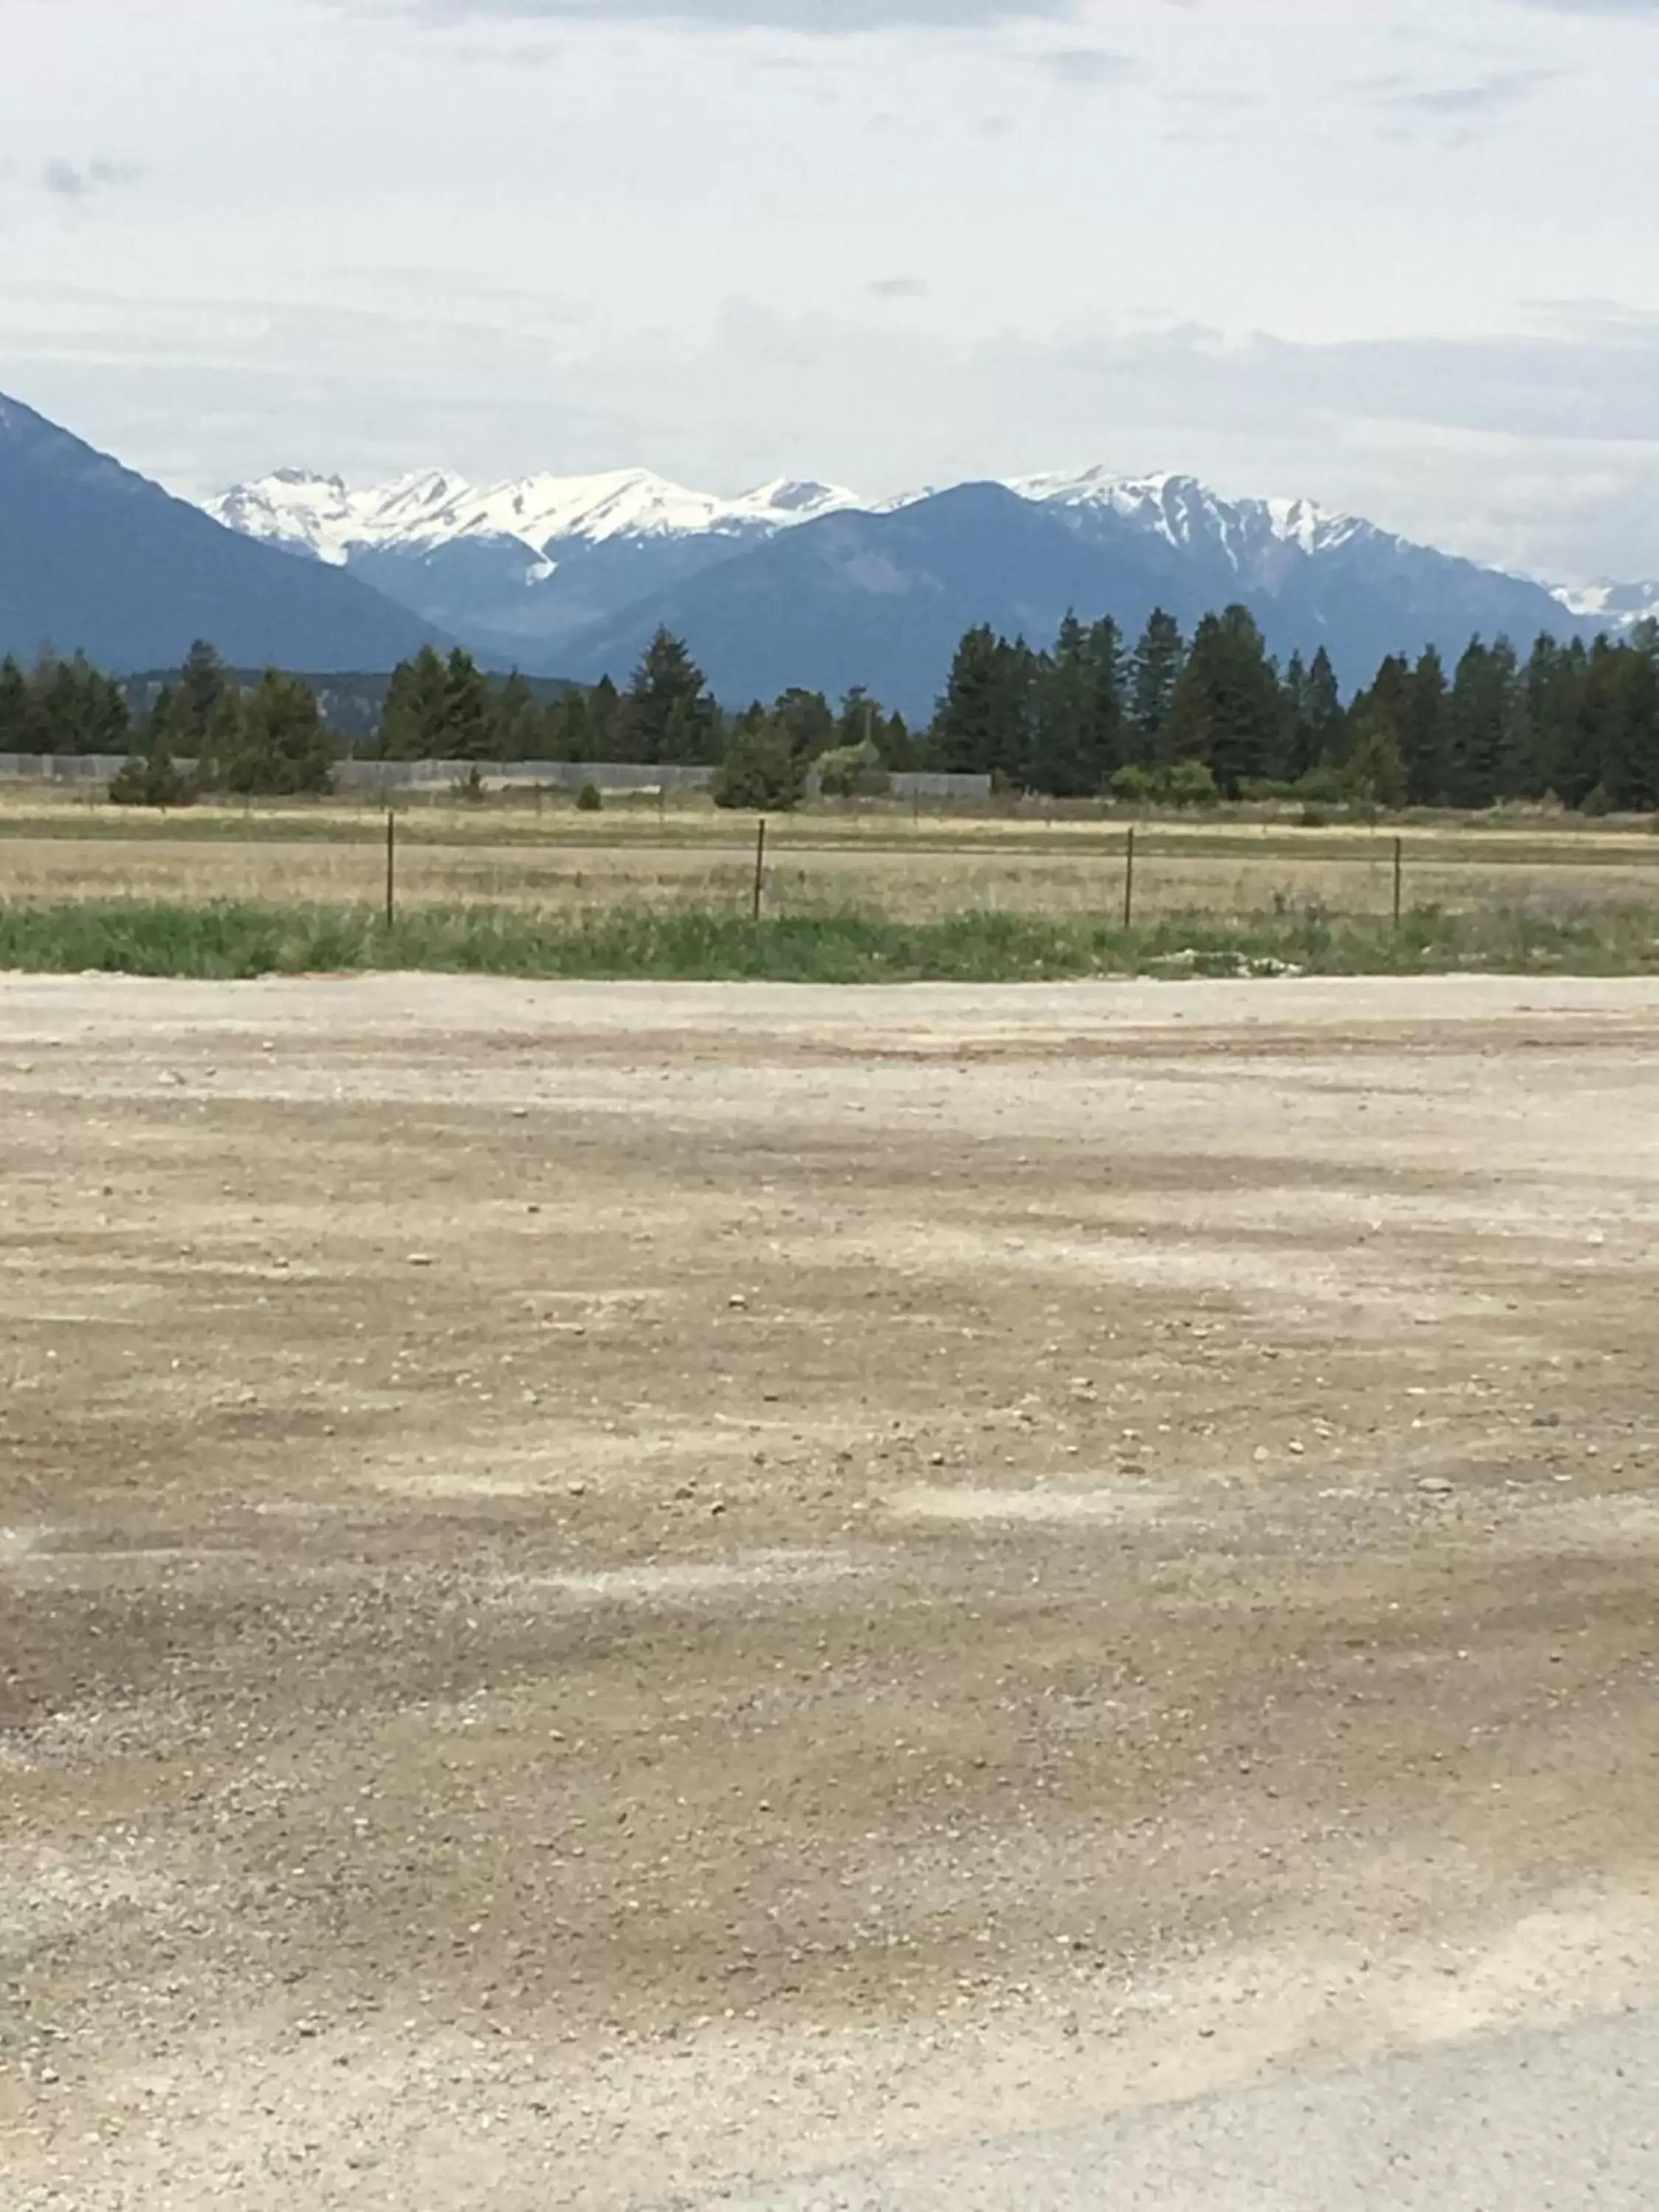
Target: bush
1190, 783
1134, 785
761, 771
853, 772
152, 780
1321, 785
1598, 801
589, 799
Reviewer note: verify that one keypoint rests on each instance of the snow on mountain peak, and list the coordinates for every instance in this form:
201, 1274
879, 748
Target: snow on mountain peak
295, 508
1182, 511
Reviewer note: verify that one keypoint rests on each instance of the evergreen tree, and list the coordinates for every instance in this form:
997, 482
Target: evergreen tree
219, 746
806, 718
1296, 747
18, 729
1374, 773
1485, 726
202, 682
565, 735
77, 710
516, 723
1064, 757
1422, 737
468, 723
283, 748
1154, 671
1328, 725
968, 731
1227, 707
669, 712
604, 718
415, 724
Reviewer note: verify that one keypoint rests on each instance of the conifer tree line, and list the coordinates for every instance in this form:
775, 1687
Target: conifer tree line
1166, 716
1214, 715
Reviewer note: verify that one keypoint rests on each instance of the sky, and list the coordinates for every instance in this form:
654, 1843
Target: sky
1398, 259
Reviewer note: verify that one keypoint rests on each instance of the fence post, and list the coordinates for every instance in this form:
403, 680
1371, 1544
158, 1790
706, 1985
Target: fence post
390, 867
760, 865
1398, 878
1129, 880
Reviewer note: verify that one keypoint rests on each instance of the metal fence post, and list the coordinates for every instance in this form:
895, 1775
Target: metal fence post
1398, 878
760, 865
1129, 880
390, 867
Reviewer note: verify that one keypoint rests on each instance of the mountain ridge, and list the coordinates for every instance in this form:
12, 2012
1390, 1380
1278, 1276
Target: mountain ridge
94, 557
578, 571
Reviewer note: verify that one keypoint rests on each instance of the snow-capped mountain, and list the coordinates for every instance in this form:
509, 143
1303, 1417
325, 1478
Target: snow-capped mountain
321, 516
1612, 607
1187, 514
569, 574
517, 566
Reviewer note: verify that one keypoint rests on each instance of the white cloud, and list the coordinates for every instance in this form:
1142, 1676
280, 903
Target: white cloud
974, 237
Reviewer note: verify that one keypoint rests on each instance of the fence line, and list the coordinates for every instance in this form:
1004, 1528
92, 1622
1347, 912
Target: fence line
378, 780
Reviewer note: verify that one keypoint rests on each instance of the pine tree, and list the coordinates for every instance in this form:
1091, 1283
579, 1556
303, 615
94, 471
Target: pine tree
669, 714
284, 748
1154, 671
1296, 749
1485, 726
1327, 725
1227, 709
18, 725
467, 721
604, 714
1063, 757
202, 684
415, 723
966, 735
516, 724
1423, 739
565, 734
808, 721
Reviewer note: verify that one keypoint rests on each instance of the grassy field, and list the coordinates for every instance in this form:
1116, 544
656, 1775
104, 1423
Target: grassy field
234, 890
882, 864
230, 938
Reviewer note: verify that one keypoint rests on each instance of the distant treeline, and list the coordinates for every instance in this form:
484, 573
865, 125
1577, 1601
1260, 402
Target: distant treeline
1215, 714
1187, 720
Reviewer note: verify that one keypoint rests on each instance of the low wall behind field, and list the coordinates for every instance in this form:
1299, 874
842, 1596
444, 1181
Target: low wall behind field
374, 779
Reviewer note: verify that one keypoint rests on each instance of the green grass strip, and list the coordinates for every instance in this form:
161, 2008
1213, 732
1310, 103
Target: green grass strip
233, 939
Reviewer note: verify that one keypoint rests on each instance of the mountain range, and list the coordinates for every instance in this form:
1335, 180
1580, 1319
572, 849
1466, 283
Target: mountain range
802, 582
796, 583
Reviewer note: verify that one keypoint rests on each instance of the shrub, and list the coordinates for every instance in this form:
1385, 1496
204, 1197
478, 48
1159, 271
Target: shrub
760, 772
853, 772
589, 799
1134, 784
151, 780
1190, 783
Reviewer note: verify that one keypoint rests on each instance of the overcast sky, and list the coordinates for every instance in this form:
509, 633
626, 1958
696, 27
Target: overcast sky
1398, 257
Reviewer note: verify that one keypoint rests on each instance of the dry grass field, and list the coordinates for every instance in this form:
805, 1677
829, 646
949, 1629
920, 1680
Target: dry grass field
612, 1594
881, 863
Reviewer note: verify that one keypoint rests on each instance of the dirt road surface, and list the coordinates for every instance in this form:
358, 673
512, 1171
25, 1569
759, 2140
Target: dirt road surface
621, 1597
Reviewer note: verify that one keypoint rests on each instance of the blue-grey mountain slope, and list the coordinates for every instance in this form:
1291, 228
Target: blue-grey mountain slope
96, 557
881, 599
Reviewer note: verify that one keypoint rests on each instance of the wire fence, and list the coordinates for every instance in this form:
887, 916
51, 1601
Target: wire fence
882, 862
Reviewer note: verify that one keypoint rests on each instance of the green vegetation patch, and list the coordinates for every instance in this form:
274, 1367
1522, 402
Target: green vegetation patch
234, 939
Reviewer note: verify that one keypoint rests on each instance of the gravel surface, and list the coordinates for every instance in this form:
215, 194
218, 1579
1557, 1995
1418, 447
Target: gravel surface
628, 1597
